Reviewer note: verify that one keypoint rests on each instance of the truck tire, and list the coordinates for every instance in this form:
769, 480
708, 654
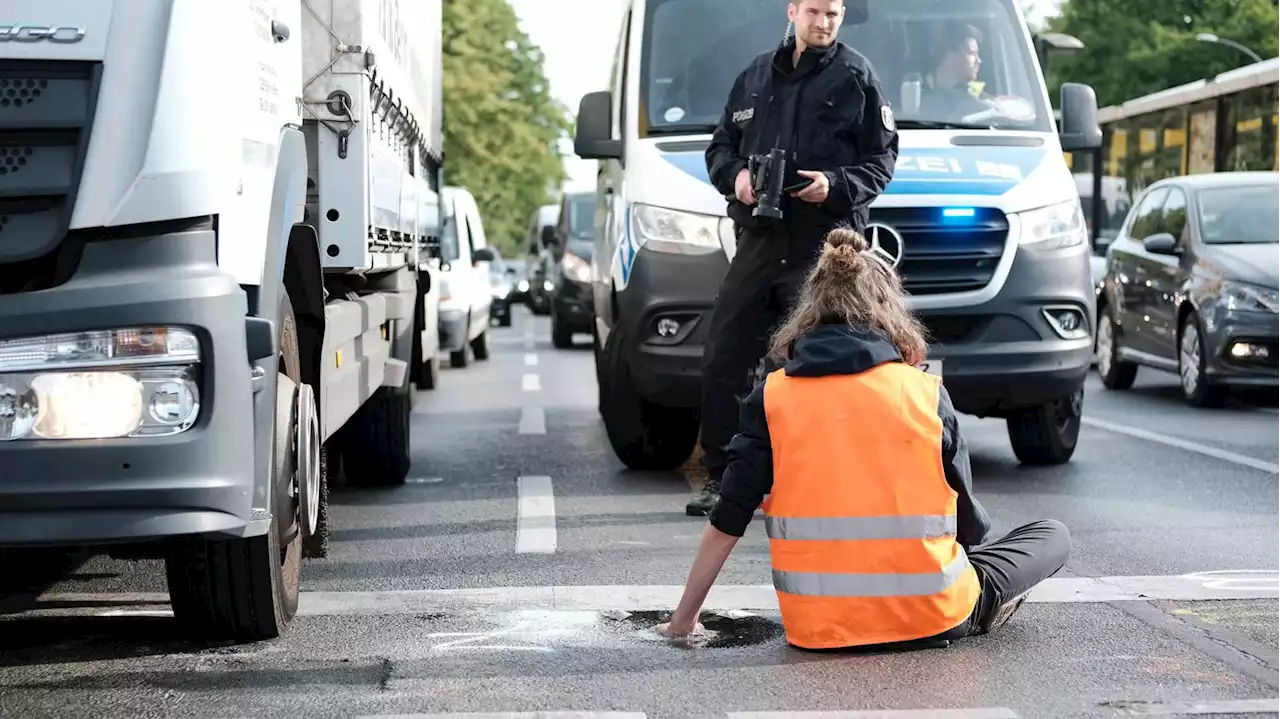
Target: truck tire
375, 445
317, 545
643, 435
247, 589
1048, 434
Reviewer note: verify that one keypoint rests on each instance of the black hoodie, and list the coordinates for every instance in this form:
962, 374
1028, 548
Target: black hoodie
831, 350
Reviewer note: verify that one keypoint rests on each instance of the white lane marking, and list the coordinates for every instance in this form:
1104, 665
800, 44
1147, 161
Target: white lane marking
533, 421
1188, 445
516, 715
1227, 706
536, 516
425, 480
513, 715
536, 501
531, 383
530, 360
993, 713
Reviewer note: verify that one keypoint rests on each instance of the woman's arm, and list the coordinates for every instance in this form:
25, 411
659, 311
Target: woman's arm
715, 549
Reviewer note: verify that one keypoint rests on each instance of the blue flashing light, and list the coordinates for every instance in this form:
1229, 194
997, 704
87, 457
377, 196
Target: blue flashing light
958, 212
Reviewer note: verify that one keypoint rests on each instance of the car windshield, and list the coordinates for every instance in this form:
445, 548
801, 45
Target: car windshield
695, 49
582, 216
1239, 215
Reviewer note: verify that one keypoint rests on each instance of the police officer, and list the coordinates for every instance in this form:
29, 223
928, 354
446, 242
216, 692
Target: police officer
822, 102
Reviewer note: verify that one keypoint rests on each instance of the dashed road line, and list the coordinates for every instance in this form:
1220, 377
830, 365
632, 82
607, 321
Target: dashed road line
533, 420
1185, 444
1215, 708
531, 383
530, 359
535, 516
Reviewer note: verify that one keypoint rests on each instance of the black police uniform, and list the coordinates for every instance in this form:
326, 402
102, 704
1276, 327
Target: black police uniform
831, 111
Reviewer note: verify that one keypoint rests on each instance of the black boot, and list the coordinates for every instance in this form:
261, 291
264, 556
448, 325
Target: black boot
705, 500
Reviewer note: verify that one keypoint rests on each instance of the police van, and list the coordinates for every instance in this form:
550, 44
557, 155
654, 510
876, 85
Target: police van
982, 215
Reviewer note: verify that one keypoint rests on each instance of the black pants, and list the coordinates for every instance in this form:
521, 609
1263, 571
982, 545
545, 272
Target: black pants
1012, 565
757, 292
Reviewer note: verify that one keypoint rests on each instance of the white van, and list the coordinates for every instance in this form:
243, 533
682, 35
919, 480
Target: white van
990, 235
465, 296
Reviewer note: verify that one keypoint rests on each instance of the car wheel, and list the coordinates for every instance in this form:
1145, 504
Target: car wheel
1196, 389
1115, 372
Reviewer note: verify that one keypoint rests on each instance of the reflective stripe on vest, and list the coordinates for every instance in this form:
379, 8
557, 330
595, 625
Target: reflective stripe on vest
860, 518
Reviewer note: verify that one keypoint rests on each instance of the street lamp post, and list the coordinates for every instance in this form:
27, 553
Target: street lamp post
1210, 37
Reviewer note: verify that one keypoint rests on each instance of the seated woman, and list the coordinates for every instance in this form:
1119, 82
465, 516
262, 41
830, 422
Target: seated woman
873, 528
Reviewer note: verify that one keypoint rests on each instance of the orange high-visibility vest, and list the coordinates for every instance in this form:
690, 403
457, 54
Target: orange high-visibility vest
861, 520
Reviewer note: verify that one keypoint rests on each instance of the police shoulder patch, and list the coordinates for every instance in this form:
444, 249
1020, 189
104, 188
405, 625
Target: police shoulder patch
886, 118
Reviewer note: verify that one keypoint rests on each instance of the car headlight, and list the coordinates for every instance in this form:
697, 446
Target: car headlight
522, 286
501, 289
1240, 297
674, 230
575, 267
139, 382
1055, 226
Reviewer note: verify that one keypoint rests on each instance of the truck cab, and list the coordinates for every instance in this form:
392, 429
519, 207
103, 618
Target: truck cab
982, 216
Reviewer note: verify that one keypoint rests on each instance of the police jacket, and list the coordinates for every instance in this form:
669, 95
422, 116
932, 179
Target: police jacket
826, 352
831, 110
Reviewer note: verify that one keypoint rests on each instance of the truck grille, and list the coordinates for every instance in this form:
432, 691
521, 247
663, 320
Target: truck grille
946, 254
46, 113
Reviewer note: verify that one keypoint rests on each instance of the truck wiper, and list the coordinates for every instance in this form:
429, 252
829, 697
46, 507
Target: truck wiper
942, 125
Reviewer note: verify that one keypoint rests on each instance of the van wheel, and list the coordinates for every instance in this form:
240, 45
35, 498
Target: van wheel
1115, 372
480, 346
375, 442
247, 589
1047, 435
644, 435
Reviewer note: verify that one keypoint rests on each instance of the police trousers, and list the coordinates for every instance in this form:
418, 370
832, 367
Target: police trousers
754, 298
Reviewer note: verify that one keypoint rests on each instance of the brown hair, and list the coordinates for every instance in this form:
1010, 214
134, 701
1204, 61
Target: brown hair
850, 285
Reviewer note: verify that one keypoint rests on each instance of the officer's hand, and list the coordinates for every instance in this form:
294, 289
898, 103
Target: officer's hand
817, 190
743, 189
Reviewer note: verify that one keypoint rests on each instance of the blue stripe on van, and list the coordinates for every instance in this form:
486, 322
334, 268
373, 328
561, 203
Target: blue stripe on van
931, 171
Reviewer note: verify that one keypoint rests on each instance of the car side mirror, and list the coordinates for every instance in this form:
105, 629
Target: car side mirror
1080, 129
482, 254
1161, 243
594, 137
549, 238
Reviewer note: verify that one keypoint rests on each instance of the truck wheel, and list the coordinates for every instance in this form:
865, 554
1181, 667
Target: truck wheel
429, 378
480, 346
375, 443
1047, 434
644, 435
1115, 372
458, 359
247, 589
316, 546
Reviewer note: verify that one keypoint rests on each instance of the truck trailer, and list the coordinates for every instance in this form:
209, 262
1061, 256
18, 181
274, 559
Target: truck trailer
216, 279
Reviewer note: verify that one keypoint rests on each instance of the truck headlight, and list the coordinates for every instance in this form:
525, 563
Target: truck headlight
1240, 297
1054, 227
676, 231
576, 268
138, 382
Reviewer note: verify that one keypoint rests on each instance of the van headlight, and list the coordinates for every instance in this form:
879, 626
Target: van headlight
1053, 227
676, 231
138, 382
576, 268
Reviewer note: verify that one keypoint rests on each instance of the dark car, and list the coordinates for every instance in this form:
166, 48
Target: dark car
571, 299
1191, 286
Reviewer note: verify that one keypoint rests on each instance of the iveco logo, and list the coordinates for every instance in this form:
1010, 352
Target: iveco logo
41, 33
885, 243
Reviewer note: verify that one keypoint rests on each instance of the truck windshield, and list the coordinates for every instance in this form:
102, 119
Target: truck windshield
922, 50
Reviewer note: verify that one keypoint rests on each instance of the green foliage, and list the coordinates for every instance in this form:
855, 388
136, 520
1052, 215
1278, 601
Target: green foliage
1136, 48
501, 123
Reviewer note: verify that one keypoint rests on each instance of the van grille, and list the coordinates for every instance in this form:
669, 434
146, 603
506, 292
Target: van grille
946, 254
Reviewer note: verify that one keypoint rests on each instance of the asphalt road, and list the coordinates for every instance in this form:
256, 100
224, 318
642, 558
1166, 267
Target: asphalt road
522, 568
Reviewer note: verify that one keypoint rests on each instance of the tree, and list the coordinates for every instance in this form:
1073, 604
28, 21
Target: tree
501, 122
1133, 49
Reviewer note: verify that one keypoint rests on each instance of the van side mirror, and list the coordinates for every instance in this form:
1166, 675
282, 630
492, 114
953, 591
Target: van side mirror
1080, 129
1160, 243
482, 254
594, 137
549, 238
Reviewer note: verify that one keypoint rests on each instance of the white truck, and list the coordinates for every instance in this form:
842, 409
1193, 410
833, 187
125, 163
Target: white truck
215, 279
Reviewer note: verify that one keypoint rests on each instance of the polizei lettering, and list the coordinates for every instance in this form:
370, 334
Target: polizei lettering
41, 33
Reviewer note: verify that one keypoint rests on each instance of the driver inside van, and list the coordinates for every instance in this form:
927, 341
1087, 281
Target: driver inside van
952, 96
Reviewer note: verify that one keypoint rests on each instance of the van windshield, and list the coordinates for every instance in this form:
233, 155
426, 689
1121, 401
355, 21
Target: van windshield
693, 50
